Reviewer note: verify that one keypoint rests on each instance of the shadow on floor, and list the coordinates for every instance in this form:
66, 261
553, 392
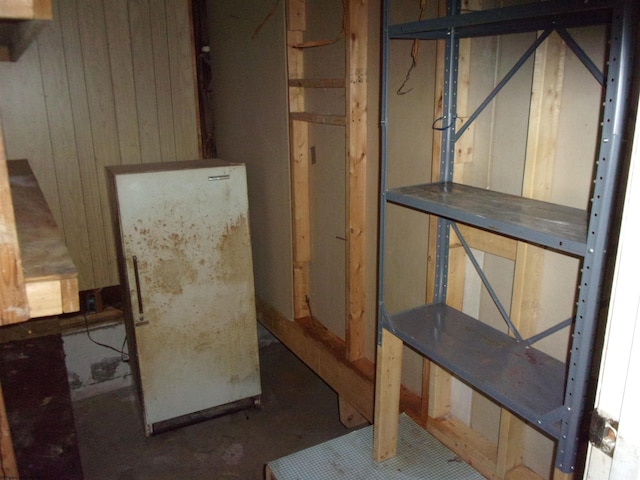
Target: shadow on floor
298, 410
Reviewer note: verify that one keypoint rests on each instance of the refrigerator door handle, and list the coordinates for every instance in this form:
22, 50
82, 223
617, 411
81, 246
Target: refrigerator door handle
138, 292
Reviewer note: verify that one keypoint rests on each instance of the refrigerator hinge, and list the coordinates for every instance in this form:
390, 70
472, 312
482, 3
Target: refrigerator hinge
603, 432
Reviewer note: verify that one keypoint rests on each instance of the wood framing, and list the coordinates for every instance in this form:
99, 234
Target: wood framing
544, 115
387, 406
355, 122
299, 154
325, 353
356, 97
13, 295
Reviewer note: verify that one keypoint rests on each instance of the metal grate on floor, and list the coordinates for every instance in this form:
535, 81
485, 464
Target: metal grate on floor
420, 456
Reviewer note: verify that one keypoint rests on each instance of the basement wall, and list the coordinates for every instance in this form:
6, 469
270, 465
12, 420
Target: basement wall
249, 101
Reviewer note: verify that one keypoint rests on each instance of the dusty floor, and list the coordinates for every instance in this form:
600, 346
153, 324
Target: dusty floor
298, 410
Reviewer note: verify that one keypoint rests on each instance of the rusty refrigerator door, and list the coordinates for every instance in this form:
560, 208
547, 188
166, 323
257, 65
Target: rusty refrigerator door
186, 269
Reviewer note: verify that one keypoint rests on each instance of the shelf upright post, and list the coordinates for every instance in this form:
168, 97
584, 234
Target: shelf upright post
620, 61
447, 154
382, 207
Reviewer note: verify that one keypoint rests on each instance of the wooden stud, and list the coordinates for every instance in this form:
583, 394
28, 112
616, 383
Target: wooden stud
510, 443
387, 399
356, 142
542, 140
300, 164
300, 161
296, 18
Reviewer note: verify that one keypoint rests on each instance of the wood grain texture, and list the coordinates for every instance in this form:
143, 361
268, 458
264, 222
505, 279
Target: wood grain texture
356, 141
300, 164
145, 81
183, 84
387, 400
116, 16
63, 144
160, 42
13, 296
96, 256
104, 84
45, 259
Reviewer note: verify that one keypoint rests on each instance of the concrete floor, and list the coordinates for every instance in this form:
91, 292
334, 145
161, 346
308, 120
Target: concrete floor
298, 410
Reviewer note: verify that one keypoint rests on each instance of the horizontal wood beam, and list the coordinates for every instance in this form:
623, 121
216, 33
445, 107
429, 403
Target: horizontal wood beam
317, 82
26, 9
325, 354
339, 120
42, 327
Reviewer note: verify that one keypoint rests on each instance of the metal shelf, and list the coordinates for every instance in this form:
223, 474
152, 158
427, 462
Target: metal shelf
527, 381
515, 19
548, 393
551, 225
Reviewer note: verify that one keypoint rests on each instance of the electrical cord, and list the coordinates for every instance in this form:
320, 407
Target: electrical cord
124, 356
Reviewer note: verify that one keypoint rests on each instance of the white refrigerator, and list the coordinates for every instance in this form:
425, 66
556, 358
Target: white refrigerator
182, 235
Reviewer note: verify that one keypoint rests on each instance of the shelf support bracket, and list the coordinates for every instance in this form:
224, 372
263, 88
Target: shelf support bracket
486, 283
503, 82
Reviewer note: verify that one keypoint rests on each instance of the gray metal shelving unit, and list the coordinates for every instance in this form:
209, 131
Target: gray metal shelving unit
545, 392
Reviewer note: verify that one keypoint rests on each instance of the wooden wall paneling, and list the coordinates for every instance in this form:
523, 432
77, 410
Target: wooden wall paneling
145, 80
163, 97
64, 152
97, 73
183, 81
84, 147
25, 122
89, 94
116, 17
356, 140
